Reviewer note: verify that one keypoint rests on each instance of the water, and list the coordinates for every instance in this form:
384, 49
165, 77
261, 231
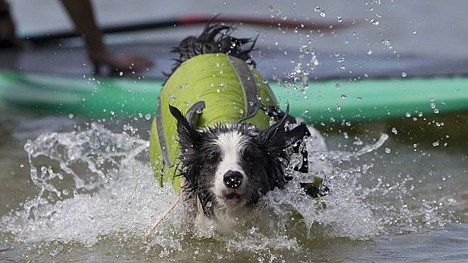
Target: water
93, 197
82, 189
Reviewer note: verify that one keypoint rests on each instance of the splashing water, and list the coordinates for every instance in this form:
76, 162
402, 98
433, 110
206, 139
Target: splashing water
101, 188
95, 186
304, 66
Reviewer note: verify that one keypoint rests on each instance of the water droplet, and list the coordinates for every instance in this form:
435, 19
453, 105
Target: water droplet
435, 144
388, 150
403, 74
344, 96
375, 22
394, 130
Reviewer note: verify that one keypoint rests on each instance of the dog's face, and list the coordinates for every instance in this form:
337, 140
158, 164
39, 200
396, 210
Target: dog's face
229, 166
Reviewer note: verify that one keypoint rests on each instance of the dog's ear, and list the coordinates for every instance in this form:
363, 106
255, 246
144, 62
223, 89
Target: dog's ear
278, 137
188, 135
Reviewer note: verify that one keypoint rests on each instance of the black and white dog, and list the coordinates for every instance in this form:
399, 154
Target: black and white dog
229, 165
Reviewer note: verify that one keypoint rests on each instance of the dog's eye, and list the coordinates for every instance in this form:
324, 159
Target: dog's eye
212, 157
249, 158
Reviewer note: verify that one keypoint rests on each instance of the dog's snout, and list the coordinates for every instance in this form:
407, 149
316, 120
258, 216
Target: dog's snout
233, 179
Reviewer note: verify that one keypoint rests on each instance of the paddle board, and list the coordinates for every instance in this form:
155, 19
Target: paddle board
324, 101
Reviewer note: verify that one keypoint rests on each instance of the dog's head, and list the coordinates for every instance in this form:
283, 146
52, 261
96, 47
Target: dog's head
229, 166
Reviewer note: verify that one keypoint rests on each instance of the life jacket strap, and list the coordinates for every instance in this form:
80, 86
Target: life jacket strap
249, 85
162, 137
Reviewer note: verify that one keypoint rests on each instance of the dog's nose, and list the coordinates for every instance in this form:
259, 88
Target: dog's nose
233, 179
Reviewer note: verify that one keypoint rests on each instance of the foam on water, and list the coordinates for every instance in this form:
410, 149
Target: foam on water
96, 185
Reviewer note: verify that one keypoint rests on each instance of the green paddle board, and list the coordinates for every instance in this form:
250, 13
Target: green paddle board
325, 101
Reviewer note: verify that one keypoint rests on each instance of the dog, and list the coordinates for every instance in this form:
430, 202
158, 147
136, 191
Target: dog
219, 134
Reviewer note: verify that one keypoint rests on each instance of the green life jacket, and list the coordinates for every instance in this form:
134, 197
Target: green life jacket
208, 89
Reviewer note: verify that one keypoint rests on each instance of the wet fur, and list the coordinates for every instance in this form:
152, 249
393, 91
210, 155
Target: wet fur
214, 39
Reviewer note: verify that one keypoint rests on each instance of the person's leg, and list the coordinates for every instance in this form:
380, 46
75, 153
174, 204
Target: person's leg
7, 28
82, 15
